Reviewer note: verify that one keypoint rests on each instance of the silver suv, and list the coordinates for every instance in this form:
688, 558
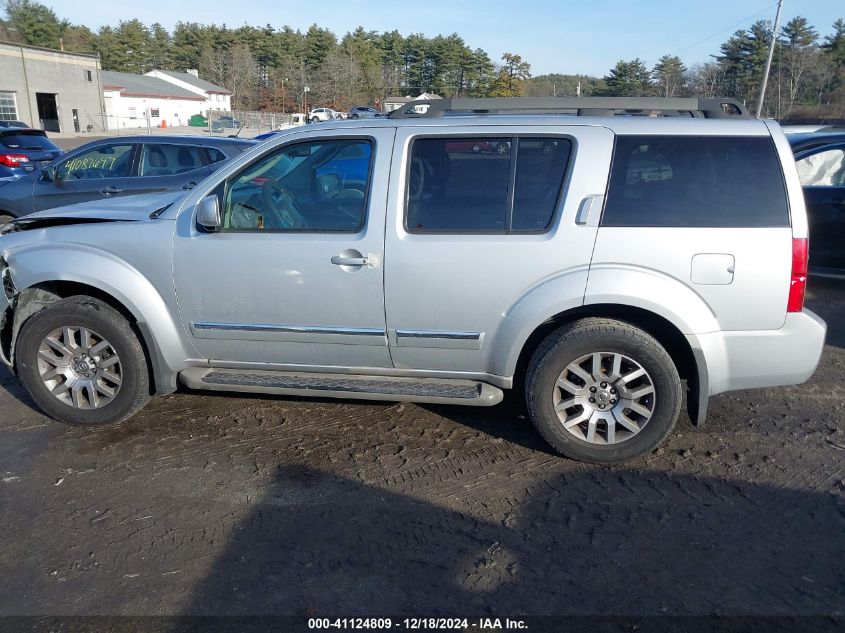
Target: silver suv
603, 263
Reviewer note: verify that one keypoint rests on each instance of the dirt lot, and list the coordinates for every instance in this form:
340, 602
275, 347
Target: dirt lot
207, 504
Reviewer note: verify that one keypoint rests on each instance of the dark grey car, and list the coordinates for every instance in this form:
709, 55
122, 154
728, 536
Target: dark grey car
118, 167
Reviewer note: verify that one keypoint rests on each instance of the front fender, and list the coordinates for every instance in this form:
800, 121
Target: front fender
79, 263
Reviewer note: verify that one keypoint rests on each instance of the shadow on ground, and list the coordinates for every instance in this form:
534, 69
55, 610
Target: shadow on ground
600, 542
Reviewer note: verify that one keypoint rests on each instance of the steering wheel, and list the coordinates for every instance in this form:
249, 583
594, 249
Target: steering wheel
279, 202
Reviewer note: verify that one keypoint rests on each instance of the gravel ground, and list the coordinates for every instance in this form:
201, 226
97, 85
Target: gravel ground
208, 504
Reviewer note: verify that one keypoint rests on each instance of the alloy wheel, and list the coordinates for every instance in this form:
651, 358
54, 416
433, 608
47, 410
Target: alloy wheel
79, 367
604, 398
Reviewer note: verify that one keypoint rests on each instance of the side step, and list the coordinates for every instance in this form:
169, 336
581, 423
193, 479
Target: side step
432, 390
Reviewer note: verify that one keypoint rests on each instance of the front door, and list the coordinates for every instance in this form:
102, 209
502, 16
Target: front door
481, 219
294, 279
104, 171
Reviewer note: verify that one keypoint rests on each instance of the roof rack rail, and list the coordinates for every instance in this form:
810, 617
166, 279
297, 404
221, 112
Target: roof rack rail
697, 107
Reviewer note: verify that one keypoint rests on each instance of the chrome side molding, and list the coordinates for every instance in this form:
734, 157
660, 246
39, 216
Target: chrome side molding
290, 329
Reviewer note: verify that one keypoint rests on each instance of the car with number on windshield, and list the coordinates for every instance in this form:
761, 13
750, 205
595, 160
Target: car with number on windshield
113, 168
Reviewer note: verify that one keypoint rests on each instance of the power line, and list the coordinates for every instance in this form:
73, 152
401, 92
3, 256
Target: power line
732, 26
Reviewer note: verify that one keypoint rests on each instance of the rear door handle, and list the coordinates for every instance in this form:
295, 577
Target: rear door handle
110, 190
339, 260
585, 210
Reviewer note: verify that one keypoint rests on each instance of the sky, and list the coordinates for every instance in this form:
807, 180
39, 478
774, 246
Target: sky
566, 36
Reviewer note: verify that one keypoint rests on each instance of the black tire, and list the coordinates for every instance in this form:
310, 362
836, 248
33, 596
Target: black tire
87, 312
587, 336
354, 116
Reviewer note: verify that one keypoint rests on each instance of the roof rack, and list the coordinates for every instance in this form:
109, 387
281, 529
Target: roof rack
696, 107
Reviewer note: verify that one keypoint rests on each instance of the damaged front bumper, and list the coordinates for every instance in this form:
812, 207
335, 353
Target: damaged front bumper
7, 302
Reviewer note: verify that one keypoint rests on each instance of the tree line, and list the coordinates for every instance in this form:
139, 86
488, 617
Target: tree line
269, 68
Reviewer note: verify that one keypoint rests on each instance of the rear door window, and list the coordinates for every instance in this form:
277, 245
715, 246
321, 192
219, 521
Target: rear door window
486, 185
164, 159
825, 168
696, 181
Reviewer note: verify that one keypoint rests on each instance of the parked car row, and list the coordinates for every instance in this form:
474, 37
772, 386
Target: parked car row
318, 115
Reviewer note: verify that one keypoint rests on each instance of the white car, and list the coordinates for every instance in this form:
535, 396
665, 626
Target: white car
321, 114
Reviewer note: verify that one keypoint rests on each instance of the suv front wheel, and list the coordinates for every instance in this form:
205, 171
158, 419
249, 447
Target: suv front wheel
603, 391
82, 363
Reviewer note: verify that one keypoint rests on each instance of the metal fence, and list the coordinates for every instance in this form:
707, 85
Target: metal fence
249, 122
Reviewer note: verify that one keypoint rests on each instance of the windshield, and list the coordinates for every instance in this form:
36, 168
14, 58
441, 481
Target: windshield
28, 141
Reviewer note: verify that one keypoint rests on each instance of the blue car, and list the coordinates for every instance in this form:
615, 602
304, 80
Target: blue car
23, 150
115, 167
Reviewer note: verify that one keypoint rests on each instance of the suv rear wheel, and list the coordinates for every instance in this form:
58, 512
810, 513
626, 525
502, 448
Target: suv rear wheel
82, 363
603, 391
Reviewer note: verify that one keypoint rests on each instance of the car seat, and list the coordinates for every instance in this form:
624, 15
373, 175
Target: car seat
185, 159
157, 163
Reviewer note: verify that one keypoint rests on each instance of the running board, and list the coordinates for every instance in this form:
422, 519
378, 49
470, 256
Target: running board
431, 390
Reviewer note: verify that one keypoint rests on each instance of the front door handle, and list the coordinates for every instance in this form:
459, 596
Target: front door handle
110, 190
339, 260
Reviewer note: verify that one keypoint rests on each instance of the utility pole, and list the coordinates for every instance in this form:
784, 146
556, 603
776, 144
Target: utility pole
769, 60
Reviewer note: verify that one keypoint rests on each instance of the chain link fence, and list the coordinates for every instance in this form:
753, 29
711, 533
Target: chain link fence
250, 123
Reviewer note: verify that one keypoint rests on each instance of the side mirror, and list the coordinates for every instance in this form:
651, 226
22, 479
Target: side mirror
48, 174
208, 214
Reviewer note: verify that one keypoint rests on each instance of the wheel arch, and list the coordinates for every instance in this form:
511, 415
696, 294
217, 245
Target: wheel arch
40, 291
690, 363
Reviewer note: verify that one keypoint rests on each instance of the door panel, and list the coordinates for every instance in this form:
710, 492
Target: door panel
449, 293
273, 295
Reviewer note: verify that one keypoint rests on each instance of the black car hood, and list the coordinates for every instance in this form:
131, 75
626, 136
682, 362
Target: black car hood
123, 209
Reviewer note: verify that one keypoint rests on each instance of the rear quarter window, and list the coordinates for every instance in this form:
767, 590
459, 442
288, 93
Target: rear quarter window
696, 181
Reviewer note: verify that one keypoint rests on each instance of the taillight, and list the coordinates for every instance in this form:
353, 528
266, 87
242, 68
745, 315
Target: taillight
13, 160
798, 282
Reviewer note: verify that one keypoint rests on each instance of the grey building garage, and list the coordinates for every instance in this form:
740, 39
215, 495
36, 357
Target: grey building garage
51, 90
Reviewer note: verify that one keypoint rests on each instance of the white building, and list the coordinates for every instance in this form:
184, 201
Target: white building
215, 98
166, 98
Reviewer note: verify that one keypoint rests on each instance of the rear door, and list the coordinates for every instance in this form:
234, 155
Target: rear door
478, 219
102, 171
172, 166
822, 175
710, 212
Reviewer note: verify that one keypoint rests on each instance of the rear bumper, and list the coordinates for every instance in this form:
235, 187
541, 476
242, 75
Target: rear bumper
767, 358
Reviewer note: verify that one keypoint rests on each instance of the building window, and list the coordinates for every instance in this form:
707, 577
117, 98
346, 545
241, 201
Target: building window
88, 75
154, 113
132, 112
8, 107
